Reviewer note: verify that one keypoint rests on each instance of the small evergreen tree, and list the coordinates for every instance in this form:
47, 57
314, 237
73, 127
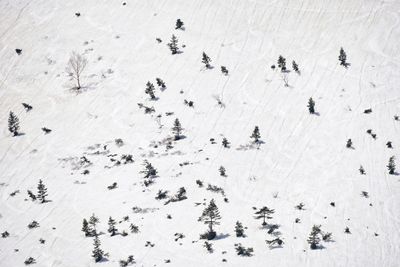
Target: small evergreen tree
242, 251
211, 216
31, 195
225, 142
295, 67
311, 106
391, 166
150, 90
111, 226
160, 83
314, 238
30, 261
256, 135
222, 171
179, 24
264, 213
42, 192
173, 45
161, 195
177, 129
361, 169
13, 124
209, 247
93, 221
239, 230
149, 171
86, 228
97, 253
181, 195
343, 58
349, 143
134, 228
224, 70
206, 60
389, 144
27, 107
282, 63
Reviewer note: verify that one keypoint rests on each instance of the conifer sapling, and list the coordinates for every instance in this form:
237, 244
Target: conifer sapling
311, 106
13, 124
97, 253
314, 238
343, 58
225, 142
42, 192
239, 230
111, 226
177, 129
391, 165
173, 45
150, 90
179, 24
256, 135
206, 60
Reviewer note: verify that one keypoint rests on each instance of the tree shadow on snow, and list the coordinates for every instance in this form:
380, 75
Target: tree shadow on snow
221, 236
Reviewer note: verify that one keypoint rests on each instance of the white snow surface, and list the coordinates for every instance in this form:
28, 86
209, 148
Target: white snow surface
303, 158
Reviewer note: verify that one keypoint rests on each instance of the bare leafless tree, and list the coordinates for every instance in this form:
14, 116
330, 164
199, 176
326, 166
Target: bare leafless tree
76, 65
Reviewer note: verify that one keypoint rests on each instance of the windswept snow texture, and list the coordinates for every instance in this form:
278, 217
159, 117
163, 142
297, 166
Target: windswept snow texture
303, 158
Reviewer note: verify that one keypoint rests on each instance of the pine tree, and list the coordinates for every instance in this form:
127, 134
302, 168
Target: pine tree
282, 63
27, 107
224, 70
173, 45
239, 229
149, 171
225, 142
256, 135
206, 60
389, 144
180, 195
111, 226
264, 213
211, 217
160, 83
150, 90
311, 106
391, 166
209, 247
242, 251
42, 192
179, 24
31, 195
134, 229
314, 238
222, 171
86, 228
177, 129
13, 124
93, 221
97, 253
361, 169
295, 67
349, 143
342, 58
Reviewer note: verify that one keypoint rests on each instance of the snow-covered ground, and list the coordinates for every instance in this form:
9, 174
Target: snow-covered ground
303, 158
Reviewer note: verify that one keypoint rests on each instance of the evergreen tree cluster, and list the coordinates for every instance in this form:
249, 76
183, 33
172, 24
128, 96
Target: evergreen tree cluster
316, 235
